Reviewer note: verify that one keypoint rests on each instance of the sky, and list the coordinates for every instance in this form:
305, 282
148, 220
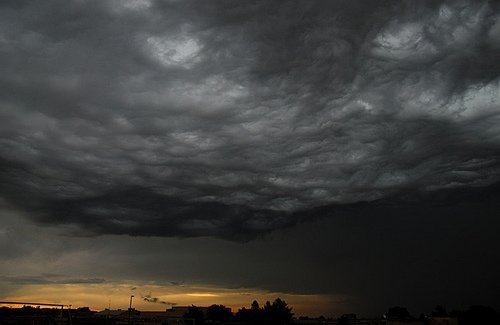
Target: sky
341, 155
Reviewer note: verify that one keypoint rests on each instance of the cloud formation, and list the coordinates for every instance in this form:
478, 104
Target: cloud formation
156, 300
48, 279
176, 118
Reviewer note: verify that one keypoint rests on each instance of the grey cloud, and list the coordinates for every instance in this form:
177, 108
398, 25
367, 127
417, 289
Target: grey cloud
156, 300
48, 279
118, 212
234, 119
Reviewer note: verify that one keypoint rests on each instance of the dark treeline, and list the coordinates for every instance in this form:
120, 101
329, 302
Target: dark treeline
279, 313
474, 315
276, 313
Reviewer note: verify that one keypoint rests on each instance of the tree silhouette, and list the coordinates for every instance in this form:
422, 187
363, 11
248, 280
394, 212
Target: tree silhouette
439, 311
477, 314
250, 316
398, 313
255, 305
243, 315
219, 313
255, 313
196, 314
277, 313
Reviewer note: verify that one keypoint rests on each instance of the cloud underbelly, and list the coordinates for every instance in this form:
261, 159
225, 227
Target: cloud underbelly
238, 122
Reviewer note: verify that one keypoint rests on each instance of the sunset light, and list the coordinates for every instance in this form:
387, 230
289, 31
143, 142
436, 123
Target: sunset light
250, 162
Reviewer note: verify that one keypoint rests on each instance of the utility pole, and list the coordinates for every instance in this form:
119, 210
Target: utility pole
130, 309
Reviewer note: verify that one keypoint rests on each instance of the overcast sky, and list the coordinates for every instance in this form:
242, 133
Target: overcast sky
344, 155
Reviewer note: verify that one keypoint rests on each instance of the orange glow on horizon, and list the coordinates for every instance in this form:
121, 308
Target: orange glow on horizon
117, 295
202, 295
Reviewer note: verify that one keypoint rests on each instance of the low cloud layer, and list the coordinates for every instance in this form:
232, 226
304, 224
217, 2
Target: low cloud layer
232, 119
48, 279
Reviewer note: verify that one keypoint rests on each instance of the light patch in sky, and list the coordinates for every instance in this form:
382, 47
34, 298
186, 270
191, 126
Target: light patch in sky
458, 27
121, 6
367, 106
137, 4
403, 41
213, 92
206, 96
179, 51
198, 294
477, 100
422, 95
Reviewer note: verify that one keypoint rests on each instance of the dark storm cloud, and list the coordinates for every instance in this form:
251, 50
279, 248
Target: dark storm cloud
49, 279
140, 211
230, 119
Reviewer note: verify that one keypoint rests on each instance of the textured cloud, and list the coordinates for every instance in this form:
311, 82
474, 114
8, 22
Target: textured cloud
48, 279
156, 300
182, 118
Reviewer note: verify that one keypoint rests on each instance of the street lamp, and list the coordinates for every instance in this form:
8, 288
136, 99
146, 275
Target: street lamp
130, 308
